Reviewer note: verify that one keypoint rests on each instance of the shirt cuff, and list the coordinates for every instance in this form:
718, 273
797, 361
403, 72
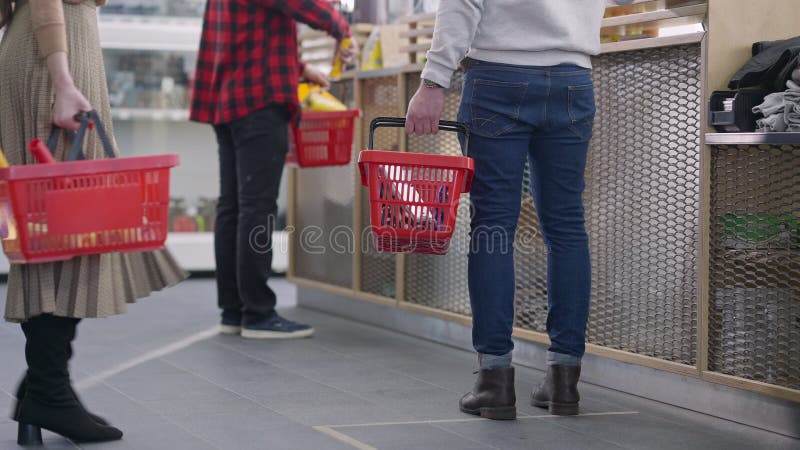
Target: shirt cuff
437, 73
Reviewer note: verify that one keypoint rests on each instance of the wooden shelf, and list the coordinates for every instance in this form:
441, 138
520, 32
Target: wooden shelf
639, 44
753, 139
655, 17
416, 18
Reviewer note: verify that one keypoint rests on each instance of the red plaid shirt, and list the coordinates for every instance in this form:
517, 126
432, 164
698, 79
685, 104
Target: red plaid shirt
248, 55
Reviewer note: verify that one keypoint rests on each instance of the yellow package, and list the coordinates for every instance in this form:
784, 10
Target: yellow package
372, 54
338, 64
303, 89
322, 101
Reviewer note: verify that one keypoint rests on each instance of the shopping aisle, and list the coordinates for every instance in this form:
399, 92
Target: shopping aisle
163, 375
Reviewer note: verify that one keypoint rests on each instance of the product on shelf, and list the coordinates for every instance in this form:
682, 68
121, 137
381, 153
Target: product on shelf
190, 218
760, 231
184, 8
141, 79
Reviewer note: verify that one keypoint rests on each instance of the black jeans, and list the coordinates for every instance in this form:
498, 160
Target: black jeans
251, 158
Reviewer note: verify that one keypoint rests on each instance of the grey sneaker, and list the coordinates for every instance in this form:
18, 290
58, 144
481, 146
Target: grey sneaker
276, 327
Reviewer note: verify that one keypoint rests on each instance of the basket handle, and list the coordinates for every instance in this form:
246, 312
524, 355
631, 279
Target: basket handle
400, 122
87, 120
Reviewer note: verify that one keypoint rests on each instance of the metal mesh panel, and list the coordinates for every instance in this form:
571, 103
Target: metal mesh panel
642, 208
324, 238
441, 281
754, 301
642, 202
380, 97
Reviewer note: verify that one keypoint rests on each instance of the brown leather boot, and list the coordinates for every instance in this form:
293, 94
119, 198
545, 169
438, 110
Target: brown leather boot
493, 396
559, 391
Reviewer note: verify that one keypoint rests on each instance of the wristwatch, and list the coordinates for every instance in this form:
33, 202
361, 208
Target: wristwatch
431, 84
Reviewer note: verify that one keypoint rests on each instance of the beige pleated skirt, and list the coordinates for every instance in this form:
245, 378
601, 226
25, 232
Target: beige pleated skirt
90, 286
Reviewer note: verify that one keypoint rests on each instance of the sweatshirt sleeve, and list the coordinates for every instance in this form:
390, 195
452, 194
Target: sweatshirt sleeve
48, 26
456, 25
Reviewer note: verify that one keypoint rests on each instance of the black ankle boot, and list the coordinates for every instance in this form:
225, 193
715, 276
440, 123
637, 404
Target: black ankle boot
559, 391
23, 387
49, 401
493, 396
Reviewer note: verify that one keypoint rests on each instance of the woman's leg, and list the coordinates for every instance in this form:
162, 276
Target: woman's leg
49, 401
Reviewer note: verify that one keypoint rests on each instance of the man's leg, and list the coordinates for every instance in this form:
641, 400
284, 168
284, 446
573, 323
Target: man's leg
495, 197
225, 234
499, 146
262, 141
558, 159
558, 168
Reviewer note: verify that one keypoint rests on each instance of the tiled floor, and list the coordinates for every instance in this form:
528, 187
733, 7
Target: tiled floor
163, 375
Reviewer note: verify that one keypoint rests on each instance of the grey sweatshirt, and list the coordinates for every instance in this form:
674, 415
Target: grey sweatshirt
522, 32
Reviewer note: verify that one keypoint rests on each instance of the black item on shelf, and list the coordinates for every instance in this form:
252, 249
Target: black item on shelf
732, 112
771, 65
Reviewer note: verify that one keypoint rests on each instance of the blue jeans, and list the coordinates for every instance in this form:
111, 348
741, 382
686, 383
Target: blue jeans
544, 114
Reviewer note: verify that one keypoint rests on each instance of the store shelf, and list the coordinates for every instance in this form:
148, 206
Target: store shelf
753, 138
154, 33
655, 42
657, 18
172, 115
195, 251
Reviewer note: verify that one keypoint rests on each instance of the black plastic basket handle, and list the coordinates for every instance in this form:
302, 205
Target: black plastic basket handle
76, 150
400, 122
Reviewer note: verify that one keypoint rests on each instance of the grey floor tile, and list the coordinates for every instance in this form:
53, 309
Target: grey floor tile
644, 431
248, 422
158, 436
277, 382
206, 402
220, 365
526, 434
416, 436
6, 404
157, 380
368, 378
425, 403
228, 393
331, 408
241, 435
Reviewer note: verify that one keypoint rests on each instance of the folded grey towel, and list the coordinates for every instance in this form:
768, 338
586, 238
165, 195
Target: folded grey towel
773, 104
791, 106
770, 124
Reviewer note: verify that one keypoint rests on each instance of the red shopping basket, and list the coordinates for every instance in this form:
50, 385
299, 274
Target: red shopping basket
414, 197
59, 210
323, 138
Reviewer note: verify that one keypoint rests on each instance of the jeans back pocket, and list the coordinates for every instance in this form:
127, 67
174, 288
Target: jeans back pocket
581, 109
495, 106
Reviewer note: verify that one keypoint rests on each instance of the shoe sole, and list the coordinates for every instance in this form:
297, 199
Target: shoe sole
558, 409
260, 334
230, 329
497, 413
